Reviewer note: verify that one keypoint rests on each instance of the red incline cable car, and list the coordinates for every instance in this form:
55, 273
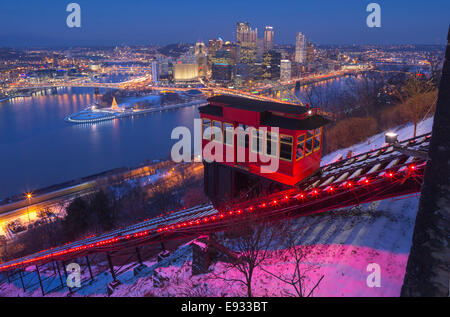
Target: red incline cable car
277, 141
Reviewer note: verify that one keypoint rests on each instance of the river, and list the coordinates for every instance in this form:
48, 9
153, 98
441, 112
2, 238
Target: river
38, 148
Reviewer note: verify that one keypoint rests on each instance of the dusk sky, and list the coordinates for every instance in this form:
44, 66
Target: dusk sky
134, 22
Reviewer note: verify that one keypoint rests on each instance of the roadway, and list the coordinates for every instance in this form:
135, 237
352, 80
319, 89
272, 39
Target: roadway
22, 209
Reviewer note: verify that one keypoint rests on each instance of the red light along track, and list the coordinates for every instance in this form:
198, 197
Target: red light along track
375, 175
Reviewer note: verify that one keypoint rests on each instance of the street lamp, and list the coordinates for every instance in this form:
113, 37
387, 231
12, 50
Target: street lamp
391, 138
28, 195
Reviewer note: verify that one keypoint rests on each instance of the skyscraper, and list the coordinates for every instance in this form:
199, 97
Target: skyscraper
233, 49
200, 52
246, 39
285, 70
300, 48
222, 72
200, 48
309, 52
260, 49
185, 72
271, 65
222, 57
241, 29
247, 53
245, 34
268, 38
155, 72
214, 45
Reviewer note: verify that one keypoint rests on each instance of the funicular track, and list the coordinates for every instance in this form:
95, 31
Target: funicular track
379, 174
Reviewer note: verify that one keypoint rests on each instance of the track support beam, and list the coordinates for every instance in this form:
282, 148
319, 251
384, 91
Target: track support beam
111, 267
89, 267
40, 280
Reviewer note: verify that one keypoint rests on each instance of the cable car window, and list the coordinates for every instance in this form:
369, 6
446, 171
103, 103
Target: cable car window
243, 135
309, 142
217, 131
272, 144
228, 133
206, 123
300, 147
317, 138
257, 141
286, 147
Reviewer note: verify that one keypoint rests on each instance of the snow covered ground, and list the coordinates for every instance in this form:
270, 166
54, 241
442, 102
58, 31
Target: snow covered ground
339, 245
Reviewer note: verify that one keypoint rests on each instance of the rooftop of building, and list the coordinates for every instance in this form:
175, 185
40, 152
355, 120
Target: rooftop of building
271, 113
256, 105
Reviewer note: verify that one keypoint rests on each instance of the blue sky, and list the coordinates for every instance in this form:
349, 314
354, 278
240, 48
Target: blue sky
115, 22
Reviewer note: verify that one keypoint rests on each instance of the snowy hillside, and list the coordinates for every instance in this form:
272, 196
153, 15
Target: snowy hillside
339, 245
404, 132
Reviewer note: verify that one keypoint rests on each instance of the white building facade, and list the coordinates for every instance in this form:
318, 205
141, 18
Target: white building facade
285, 70
300, 48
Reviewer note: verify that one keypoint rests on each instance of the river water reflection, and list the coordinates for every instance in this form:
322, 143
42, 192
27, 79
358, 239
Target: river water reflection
38, 149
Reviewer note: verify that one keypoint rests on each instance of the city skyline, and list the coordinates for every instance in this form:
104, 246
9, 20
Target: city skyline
136, 23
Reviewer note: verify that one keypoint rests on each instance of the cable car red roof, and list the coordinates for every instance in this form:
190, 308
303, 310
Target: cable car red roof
272, 114
310, 122
249, 104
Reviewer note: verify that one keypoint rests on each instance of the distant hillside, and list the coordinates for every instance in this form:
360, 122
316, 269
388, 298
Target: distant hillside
174, 50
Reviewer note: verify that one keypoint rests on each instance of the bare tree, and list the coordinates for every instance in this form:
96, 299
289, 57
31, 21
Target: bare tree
45, 214
249, 249
418, 98
435, 62
365, 93
318, 97
298, 277
131, 206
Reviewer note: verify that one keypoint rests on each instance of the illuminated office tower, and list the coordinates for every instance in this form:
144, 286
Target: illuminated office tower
260, 50
268, 38
202, 60
214, 45
222, 72
155, 72
271, 65
245, 34
222, 57
233, 49
200, 48
185, 72
285, 70
309, 52
300, 48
